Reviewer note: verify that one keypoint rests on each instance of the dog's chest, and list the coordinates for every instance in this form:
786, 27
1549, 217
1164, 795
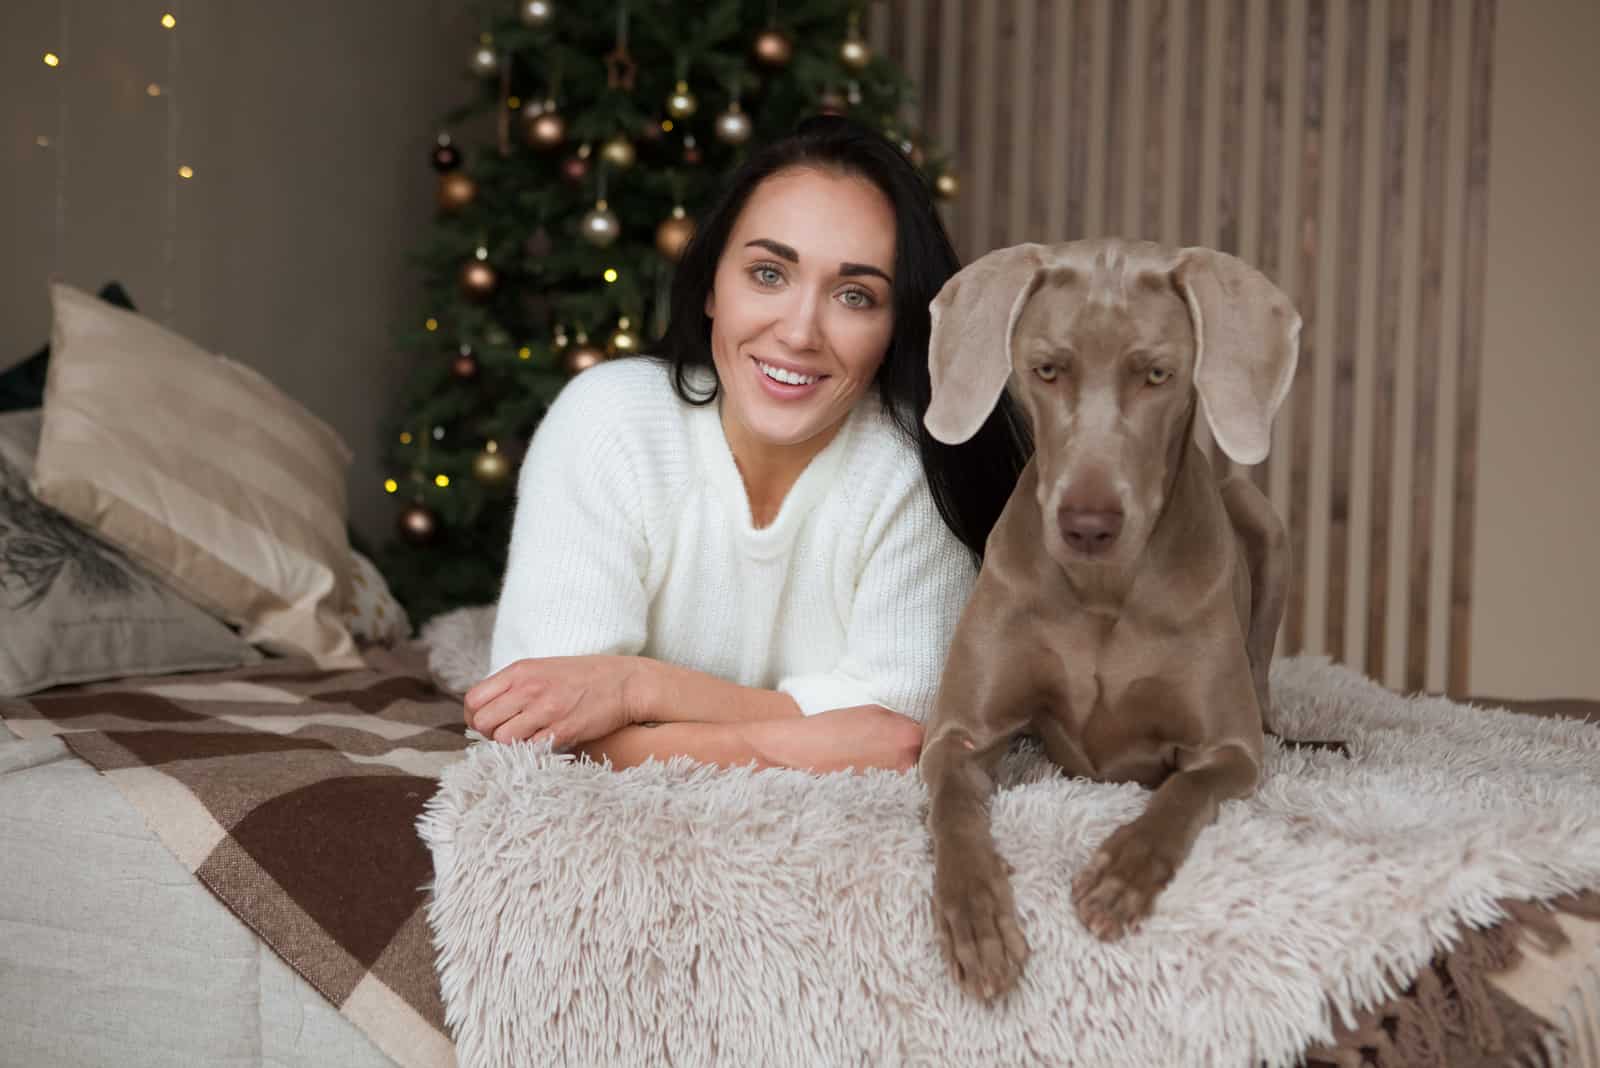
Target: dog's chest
1106, 709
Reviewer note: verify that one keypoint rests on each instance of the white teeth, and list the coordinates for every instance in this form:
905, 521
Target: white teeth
778, 374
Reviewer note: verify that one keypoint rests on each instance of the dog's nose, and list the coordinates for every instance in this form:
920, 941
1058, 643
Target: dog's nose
1090, 532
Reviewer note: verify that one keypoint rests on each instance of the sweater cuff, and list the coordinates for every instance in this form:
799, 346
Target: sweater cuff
823, 693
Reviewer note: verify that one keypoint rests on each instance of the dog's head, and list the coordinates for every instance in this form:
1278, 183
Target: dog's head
1106, 344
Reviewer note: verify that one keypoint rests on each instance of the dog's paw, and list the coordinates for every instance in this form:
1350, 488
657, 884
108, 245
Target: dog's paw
975, 919
1118, 888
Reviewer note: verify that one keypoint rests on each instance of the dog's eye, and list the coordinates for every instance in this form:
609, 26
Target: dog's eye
1157, 376
1046, 372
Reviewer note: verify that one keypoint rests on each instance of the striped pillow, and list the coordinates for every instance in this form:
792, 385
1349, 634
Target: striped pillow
202, 470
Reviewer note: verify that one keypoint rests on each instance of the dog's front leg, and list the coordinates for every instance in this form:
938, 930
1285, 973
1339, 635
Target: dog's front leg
1118, 887
974, 913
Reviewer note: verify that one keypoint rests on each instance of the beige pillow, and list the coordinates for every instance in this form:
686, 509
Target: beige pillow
203, 471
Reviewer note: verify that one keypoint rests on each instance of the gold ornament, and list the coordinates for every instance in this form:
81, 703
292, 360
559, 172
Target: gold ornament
456, 191
947, 185
619, 152
536, 13
582, 356
418, 524
547, 129
623, 341
477, 279
773, 49
674, 233
855, 54
681, 104
601, 226
491, 467
733, 126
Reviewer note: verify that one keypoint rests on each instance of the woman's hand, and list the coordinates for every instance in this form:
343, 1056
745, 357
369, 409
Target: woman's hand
567, 699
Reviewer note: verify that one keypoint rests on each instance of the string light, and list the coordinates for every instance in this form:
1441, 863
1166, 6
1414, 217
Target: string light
168, 21
405, 437
186, 171
611, 274
525, 352
152, 89
391, 486
432, 324
52, 60
442, 481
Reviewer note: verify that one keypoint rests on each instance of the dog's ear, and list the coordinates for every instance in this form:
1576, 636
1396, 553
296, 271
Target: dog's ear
1247, 342
969, 345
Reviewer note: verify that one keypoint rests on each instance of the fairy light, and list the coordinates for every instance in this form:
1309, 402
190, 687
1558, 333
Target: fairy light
391, 486
432, 324
168, 21
405, 437
152, 89
442, 481
52, 60
525, 353
186, 171
611, 274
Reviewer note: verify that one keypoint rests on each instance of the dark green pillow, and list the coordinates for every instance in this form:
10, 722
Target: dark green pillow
23, 385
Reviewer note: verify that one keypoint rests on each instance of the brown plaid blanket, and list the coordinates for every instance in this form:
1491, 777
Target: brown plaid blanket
292, 793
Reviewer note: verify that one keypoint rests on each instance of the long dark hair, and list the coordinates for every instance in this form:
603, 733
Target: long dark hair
970, 482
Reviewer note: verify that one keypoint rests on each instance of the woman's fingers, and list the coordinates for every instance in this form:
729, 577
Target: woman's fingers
521, 727
489, 718
489, 689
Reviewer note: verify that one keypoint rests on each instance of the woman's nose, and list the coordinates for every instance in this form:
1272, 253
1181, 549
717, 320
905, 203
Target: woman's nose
798, 327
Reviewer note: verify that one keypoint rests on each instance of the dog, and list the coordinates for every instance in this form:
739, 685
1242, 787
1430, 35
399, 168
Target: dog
1128, 602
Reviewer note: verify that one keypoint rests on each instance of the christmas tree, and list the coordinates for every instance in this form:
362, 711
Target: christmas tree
554, 242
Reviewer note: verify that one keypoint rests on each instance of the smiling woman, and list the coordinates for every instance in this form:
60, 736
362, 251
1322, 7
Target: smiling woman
748, 549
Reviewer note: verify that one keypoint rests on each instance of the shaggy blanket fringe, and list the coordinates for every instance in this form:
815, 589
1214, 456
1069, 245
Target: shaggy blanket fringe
680, 914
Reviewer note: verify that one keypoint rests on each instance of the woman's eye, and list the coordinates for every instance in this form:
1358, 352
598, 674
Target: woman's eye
765, 275
857, 298
1046, 372
1157, 375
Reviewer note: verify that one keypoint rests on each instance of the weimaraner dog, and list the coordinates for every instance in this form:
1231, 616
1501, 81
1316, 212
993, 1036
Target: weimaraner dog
1127, 606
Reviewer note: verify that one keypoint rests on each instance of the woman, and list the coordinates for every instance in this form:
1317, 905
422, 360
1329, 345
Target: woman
748, 548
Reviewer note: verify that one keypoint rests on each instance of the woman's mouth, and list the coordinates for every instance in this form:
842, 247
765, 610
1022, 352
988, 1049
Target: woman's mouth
783, 382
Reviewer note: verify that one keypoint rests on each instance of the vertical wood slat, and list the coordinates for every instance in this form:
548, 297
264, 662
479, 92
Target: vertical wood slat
1427, 354
1295, 133
1343, 356
1474, 226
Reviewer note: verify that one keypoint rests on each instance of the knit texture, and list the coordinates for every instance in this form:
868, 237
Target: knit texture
633, 535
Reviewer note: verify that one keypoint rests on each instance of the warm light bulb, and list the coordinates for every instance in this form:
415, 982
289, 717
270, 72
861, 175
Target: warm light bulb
52, 60
186, 171
525, 352
391, 486
405, 437
168, 21
611, 274
666, 125
514, 103
432, 324
152, 89
441, 481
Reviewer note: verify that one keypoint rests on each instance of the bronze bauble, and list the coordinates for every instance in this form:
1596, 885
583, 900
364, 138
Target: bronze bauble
673, 235
418, 524
773, 48
456, 190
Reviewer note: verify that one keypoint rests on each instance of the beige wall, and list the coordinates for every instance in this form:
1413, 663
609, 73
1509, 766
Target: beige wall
308, 126
1536, 605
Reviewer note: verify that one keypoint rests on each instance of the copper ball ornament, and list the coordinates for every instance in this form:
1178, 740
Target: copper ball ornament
547, 129
733, 126
456, 190
773, 48
674, 234
600, 226
418, 524
464, 365
478, 279
446, 157
947, 186
619, 152
574, 169
581, 357
536, 13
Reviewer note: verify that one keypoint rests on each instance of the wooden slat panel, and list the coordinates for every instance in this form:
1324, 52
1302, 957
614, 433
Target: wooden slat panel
1155, 127
1078, 102
1270, 204
1024, 123
1116, 118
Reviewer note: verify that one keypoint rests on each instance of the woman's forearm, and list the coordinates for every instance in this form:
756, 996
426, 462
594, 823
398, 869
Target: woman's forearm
666, 693
845, 738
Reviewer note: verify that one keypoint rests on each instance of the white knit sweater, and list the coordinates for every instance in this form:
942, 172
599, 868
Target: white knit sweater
633, 535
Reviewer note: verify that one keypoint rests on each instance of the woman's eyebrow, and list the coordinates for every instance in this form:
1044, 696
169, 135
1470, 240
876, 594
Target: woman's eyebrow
778, 248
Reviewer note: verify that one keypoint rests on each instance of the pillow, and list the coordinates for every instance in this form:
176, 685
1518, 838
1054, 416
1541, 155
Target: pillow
372, 614
22, 385
202, 470
75, 609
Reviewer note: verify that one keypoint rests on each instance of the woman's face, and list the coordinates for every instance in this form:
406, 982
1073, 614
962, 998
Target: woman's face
801, 310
